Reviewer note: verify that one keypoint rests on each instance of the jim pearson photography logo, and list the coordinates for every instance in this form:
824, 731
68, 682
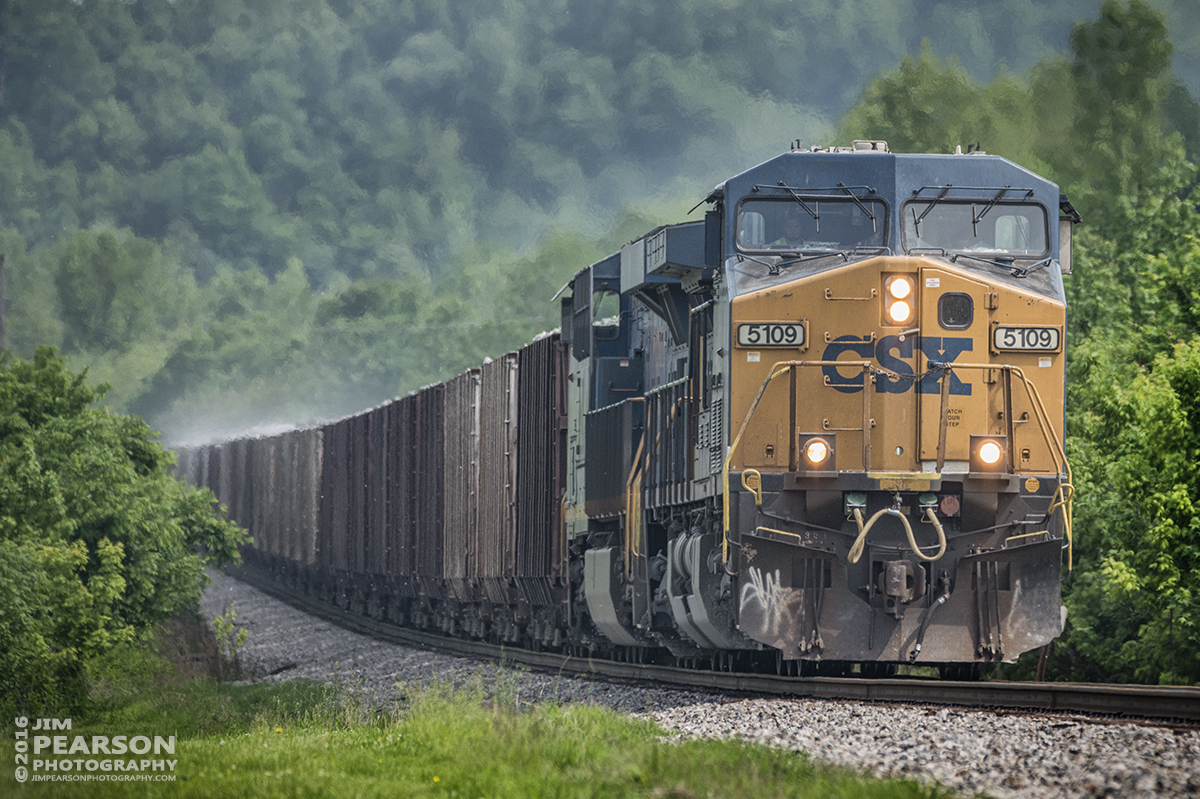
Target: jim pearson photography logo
45, 754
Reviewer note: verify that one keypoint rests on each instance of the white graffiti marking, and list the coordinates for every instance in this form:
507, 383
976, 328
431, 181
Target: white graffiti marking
777, 604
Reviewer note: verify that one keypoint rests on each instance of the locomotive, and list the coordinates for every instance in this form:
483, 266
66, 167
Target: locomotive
820, 430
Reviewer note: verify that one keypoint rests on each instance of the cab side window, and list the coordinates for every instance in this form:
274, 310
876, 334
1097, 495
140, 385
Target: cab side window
606, 315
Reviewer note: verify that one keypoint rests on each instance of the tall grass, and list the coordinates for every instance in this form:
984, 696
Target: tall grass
303, 739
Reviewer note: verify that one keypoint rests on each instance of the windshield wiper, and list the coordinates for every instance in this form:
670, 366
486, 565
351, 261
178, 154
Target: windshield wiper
870, 214
858, 252
814, 256
816, 215
928, 208
773, 268
1023, 271
1017, 271
977, 218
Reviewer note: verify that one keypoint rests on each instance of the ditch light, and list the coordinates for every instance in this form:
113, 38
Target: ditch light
817, 453
989, 454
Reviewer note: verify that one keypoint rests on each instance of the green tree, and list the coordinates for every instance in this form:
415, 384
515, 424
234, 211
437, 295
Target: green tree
98, 541
1135, 606
1121, 78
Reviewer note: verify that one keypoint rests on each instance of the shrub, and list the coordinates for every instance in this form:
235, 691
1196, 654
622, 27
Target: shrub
98, 541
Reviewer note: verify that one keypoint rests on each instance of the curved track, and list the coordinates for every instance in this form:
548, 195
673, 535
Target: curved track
1171, 704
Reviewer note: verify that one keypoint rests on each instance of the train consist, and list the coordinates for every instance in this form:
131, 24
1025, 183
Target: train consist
819, 431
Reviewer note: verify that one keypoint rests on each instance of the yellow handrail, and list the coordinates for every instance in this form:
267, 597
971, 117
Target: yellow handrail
634, 509
1062, 498
753, 484
781, 367
1064, 495
633, 485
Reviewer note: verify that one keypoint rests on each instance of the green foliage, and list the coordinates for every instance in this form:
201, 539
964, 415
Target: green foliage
277, 351
1133, 428
208, 203
931, 105
1134, 614
1111, 125
1121, 74
97, 540
230, 638
369, 139
365, 139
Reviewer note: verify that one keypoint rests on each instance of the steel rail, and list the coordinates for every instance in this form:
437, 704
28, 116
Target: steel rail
1165, 703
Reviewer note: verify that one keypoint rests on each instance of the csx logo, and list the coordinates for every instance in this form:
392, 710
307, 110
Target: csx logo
891, 354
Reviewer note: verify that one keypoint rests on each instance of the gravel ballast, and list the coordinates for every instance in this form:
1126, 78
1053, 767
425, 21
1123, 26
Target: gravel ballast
1001, 755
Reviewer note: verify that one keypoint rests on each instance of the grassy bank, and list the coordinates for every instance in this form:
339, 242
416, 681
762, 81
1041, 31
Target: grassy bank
302, 739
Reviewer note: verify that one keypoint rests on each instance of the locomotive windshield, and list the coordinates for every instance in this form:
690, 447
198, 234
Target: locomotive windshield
1014, 229
809, 223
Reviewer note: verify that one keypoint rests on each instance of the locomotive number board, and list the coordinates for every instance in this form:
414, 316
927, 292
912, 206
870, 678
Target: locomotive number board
770, 334
1027, 339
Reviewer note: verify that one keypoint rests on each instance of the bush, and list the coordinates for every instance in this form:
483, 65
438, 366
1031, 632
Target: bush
98, 541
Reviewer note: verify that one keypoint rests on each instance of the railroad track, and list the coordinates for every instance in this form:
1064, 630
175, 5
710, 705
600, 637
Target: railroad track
1178, 705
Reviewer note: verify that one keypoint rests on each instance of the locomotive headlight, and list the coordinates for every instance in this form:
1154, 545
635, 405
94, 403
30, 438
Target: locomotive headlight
818, 454
989, 454
899, 299
899, 311
899, 287
817, 451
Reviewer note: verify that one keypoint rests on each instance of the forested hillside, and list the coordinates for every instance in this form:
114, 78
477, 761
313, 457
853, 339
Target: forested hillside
309, 205
373, 137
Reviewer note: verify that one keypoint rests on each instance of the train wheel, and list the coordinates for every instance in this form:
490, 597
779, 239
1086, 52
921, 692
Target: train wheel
878, 670
832, 668
962, 672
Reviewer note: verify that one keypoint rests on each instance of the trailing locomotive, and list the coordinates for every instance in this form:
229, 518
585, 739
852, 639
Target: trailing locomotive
822, 427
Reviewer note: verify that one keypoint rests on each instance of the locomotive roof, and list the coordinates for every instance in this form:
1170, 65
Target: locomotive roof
880, 174
895, 176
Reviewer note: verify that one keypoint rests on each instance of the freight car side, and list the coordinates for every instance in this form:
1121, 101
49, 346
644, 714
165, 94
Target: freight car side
438, 509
